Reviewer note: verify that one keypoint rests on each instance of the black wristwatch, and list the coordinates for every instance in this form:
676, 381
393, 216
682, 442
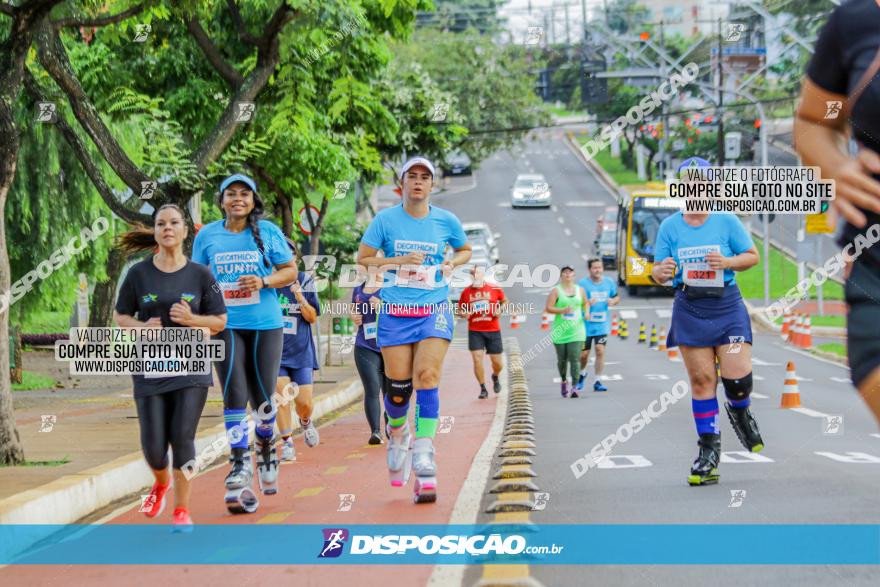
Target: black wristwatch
265, 281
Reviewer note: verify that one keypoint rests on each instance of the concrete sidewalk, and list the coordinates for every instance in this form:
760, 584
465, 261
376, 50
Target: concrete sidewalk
309, 493
96, 432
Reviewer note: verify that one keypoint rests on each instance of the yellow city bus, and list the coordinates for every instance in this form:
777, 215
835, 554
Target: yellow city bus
638, 220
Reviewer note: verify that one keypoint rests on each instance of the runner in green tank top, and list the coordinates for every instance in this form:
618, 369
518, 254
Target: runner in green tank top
568, 333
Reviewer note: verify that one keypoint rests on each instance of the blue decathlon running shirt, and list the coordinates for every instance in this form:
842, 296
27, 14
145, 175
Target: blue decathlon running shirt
397, 233
231, 255
597, 318
688, 246
298, 351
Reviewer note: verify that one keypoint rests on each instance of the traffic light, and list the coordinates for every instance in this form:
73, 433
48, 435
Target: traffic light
594, 90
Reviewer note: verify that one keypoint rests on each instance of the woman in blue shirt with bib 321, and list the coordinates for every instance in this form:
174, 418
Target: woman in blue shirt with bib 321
700, 253
242, 250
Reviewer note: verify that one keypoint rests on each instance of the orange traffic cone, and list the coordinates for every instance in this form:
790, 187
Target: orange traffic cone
791, 396
662, 346
672, 353
786, 325
545, 321
516, 320
614, 331
795, 331
806, 334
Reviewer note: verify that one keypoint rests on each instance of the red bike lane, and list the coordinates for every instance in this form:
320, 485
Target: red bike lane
309, 493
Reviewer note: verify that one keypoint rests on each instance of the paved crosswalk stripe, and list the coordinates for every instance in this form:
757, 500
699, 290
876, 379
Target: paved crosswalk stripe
741, 456
759, 395
808, 412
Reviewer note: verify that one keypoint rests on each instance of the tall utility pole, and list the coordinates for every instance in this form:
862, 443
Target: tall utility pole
567, 26
553, 23
584, 20
720, 96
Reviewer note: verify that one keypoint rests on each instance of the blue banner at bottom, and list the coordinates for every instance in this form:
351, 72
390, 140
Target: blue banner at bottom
561, 544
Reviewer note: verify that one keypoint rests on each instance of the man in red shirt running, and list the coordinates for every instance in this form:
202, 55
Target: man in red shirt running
480, 304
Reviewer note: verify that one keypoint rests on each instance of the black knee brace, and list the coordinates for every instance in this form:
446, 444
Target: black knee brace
737, 389
399, 391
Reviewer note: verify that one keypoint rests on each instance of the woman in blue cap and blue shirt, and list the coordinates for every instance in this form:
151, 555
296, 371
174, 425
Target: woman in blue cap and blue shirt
249, 257
416, 322
700, 253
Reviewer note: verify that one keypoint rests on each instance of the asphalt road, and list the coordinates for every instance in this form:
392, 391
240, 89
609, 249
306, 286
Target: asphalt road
808, 473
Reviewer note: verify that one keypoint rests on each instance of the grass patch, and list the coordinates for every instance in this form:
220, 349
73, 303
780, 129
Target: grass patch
614, 167
836, 321
833, 347
45, 322
62, 461
30, 380
783, 277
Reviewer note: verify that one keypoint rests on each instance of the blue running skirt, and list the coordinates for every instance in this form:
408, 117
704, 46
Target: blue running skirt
709, 322
397, 330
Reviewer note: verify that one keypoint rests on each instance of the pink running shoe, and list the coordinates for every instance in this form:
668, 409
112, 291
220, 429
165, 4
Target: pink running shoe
182, 521
154, 504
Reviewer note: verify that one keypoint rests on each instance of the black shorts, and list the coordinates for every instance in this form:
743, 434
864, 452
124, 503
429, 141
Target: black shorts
490, 341
599, 338
862, 292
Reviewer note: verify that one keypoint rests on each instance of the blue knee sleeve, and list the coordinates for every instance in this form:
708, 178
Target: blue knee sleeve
428, 403
236, 427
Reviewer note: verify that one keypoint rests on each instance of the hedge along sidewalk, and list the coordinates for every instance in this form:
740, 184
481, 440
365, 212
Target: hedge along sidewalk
69, 493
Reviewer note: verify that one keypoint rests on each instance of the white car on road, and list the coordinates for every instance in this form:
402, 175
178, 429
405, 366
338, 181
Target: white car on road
530, 190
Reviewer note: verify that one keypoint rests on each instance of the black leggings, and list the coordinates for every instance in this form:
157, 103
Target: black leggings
250, 369
170, 418
371, 368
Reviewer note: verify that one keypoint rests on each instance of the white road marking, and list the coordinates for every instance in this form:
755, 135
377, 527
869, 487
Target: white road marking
759, 395
741, 456
876, 435
664, 312
761, 363
504, 204
656, 376
850, 457
623, 462
575, 244
584, 256
799, 378
788, 347
566, 231
809, 412
629, 314
554, 208
561, 220
585, 204
842, 380
757, 377
612, 377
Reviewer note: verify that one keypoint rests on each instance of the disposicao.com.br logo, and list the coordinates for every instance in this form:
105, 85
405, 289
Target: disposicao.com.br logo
402, 544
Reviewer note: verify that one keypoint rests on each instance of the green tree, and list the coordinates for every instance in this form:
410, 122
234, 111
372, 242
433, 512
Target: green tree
492, 86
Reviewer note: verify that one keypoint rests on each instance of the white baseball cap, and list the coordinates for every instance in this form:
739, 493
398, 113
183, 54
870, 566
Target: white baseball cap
417, 161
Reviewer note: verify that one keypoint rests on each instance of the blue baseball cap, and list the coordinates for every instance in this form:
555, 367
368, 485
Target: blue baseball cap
690, 163
238, 177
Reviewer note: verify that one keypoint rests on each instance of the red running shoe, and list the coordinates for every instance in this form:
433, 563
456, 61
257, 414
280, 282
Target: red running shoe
182, 521
154, 503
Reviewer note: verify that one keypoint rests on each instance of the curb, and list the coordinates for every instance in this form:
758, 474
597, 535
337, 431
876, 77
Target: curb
72, 497
606, 180
758, 314
513, 484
